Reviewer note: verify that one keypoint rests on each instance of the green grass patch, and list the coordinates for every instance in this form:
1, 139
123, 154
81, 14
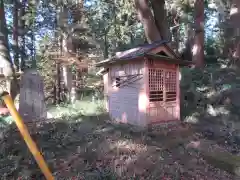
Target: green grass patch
6, 120
85, 107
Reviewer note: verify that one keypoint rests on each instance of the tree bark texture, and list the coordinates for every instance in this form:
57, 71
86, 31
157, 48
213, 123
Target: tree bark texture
22, 35
5, 59
234, 23
160, 17
198, 45
58, 84
67, 49
15, 35
146, 17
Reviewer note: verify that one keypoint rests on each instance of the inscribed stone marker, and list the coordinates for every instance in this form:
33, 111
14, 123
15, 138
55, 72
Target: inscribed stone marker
31, 101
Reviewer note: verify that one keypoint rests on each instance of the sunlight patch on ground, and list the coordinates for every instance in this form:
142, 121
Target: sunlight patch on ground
123, 161
129, 145
217, 111
84, 108
211, 94
192, 118
80, 107
104, 130
202, 88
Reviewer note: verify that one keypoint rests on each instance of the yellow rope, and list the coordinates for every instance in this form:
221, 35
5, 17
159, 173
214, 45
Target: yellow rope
27, 138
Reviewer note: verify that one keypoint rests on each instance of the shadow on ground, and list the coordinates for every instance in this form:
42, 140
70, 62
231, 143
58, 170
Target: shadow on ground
211, 101
89, 147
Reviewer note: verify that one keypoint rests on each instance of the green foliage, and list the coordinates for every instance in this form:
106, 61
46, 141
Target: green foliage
211, 94
5, 121
83, 107
115, 25
211, 50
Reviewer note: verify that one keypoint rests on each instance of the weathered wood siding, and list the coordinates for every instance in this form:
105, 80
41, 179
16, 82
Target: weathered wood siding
125, 101
106, 85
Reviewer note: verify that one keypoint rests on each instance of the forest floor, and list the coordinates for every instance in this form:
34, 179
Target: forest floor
83, 145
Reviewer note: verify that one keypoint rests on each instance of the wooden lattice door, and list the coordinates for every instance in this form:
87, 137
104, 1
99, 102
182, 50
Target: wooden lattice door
162, 94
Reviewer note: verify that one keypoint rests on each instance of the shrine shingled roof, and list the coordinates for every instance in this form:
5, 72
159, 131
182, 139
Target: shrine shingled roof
138, 52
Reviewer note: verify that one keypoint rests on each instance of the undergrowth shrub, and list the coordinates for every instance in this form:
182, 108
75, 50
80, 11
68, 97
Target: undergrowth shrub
212, 92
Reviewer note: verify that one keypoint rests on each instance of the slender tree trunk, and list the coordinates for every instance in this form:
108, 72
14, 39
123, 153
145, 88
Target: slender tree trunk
226, 33
198, 46
58, 84
55, 93
58, 36
22, 30
78, 18
174, 21
67, 71
117, 30
15, 35
115, 26
4, 48
105, 45
34, 62
188, 33
67, 78
235, 26
131, 38
5, 59
67, 74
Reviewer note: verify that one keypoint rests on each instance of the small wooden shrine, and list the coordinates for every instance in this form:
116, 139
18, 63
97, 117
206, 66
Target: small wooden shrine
141, 85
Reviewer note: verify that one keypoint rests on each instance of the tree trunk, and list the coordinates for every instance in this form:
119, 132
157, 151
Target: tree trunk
58, 84
34, 62
235, 25
67, 70
116, 35
67, 73
67, 78
187, 54
22, 30
73, 94
55, 93
5, 59
188, 33
198, 45
235, 14
15, 35
77, 19
146, 17
105, 45
160, 17
175, 23
58, 36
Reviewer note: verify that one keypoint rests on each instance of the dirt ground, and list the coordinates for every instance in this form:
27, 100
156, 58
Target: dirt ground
91, 148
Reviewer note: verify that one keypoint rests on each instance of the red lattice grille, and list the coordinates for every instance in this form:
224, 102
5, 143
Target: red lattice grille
170, 81
170, 86
155, 79
162, 85
171, 96
156, 96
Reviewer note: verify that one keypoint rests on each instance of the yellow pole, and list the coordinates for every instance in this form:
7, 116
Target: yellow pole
26, 136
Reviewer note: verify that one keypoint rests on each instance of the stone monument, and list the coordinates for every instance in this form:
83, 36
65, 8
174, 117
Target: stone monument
32, 105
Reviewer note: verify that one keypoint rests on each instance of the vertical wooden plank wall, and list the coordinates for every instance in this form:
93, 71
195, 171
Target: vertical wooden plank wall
178, 93
124, 100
